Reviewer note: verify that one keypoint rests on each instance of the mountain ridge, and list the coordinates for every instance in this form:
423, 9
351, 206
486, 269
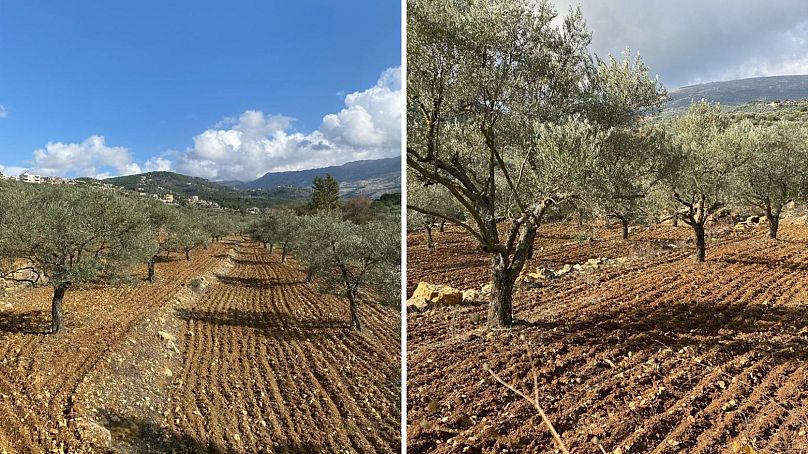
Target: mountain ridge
741, 91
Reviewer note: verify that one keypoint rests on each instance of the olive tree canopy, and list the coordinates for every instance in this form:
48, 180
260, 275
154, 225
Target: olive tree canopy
68, 237
504, 111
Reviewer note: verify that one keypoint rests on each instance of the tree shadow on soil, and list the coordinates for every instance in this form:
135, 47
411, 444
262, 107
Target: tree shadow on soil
145, 436
251, 262
256, 283
789, 265
28, 322
775, 331
278, 325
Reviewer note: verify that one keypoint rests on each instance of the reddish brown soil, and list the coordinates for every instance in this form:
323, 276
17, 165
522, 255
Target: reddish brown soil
271, 365
658, 355
267, 362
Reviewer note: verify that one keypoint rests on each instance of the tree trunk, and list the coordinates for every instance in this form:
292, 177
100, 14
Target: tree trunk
265, 244
309, 275
355, 323
188, 255
442, 226
57, 316
774, 222
701, 246
500, 307
271, 247
675, 220
624, 224
283, 255
430, 243
150, 264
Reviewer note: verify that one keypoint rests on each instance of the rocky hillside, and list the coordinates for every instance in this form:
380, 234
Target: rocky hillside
742, 91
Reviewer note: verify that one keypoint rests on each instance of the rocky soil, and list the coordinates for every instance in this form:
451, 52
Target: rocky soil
656, 354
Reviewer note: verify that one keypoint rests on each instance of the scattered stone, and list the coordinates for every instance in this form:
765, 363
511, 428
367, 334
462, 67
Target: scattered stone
96, 435
472, 296
168, 337
427, 295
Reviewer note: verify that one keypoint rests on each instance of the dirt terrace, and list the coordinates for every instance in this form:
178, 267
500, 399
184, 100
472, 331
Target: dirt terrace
658, 355
257, 362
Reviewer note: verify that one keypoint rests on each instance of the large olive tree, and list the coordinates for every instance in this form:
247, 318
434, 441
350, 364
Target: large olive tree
501, 110
163, 221
774, 173
353, 259
629, 162
67, 237
706, 154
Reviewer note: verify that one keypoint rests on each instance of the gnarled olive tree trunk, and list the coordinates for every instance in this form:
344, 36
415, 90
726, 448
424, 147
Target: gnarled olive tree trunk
773, 217
351, 292
57, 314
150, 265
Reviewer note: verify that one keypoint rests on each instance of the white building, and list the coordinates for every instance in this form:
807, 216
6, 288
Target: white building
253, 210
30, 178
168, 198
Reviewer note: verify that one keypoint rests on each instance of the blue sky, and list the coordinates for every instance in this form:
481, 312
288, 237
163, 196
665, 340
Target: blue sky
224, 90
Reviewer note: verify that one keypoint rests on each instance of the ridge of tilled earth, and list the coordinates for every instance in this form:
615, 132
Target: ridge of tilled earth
130, 397
662, 355
41, 374
271, 365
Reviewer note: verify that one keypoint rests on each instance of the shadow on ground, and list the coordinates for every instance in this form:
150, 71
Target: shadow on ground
273, 324
28, 322
145, 436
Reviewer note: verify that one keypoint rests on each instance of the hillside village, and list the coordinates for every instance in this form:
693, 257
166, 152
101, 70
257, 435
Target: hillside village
164, 196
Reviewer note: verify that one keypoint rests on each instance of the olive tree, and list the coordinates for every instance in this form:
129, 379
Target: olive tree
163, 219
67, 237
434, 204
774, 173
188, 233
353, 260
218, 225
500, 105
261, 230
629, 162
705, 155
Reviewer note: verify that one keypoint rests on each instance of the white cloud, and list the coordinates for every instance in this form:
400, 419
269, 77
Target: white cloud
157, 164
3, 111
92, 157
693, 41
11, 170
256, 143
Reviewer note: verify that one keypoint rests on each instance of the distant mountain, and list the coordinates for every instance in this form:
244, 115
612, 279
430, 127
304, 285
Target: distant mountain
371, 178
742, 91
185, 186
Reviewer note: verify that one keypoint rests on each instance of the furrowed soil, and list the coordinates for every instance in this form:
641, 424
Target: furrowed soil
231, 352
659, 354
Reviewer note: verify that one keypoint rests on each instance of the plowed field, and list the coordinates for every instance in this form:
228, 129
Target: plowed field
263, 363
660, 354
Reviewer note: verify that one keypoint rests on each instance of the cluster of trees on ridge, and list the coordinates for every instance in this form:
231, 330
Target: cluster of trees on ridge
352, 249
510, 117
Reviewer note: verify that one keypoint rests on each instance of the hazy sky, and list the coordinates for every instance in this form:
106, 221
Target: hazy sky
694, 41
213, 88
